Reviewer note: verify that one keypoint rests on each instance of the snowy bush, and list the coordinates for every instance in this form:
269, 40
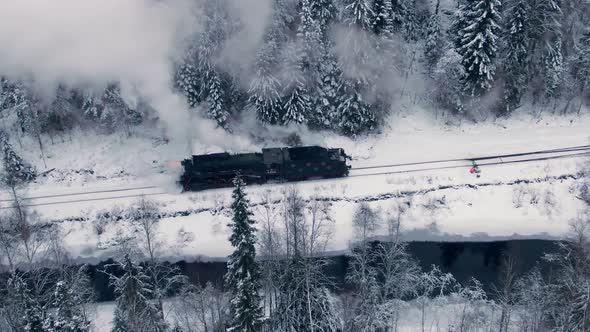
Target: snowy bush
525, 194
103, 218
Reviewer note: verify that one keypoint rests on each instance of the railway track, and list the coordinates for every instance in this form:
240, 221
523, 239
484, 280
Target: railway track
374, 170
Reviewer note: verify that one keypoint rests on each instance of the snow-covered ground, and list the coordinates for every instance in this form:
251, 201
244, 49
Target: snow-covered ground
529, 200
439, 315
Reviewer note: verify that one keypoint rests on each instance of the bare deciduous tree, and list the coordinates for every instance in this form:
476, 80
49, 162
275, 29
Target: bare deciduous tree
163, 277
198, 309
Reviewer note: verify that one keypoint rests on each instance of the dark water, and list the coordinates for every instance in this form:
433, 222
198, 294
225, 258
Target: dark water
480, 260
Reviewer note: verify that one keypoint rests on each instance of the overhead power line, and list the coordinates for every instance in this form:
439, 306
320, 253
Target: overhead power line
579, 151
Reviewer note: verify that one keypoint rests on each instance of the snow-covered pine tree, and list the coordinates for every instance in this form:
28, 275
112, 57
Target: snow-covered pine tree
15, 170
516, 43
285, 18
58, 117
309, 35
133, 310
3, 94
110, 109
200, 77
399, 14
384, 29
580, 64
297, 103
545, 51
243, 274
264, 91
458, 23
91, 106
17, 98
296, 97
358, 13
188, 81
323, 12
552, 58
326, 78
433, 46
416, 16
354, 113
478, 45
68, 316
30, 313
381, 16
388, 16
307, 56
325, 113
216, 99
127, 116
9, 94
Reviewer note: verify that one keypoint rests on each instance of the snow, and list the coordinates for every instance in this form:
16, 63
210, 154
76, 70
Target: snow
447, 204
439, 315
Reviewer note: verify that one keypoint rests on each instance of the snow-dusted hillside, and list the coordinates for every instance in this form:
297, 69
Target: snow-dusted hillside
532, 200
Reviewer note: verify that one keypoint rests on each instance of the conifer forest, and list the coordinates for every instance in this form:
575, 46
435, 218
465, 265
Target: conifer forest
462, 128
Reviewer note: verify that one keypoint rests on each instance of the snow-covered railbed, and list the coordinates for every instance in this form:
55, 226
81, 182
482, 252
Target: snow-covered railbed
195, 224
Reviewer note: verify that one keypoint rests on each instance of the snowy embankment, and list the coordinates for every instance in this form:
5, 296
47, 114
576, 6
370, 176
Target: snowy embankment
525, 200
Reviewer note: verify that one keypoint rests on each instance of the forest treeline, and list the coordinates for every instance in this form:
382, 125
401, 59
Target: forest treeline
344, 65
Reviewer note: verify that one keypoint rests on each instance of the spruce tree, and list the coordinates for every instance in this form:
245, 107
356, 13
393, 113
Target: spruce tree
359, 14
399, 14
325, 113
16, 170
326, 80
68, 317
189, 83
17, 98
433, 47
302, 97
552, 58
265, 87
355, 114
200, 78
478, 45
216, 99
323, 12
581, 63
123, 115
296, 96
242, 269
309, 31
516, 54
297, 102
133, 310
381, 16
388, 16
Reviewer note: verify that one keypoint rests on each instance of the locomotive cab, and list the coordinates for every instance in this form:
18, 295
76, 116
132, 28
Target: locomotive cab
338, 155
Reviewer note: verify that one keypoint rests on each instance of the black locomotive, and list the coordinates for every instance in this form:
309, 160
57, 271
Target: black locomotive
274, 164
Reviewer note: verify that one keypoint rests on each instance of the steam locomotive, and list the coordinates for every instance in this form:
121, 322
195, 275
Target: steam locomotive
271, 165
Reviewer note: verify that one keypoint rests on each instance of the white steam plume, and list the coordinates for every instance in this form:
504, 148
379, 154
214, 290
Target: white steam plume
93, 42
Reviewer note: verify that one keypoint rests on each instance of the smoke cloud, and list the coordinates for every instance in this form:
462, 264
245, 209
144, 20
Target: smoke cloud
239, 51
93, 42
